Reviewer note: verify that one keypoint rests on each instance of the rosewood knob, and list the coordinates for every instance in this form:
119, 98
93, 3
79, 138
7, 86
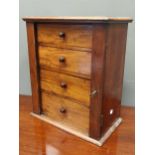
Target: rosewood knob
63, 84
62, 34
63, 110
62, 59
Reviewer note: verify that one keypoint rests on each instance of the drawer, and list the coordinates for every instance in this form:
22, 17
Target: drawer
66, 112
65, 35
68, 61
66, 86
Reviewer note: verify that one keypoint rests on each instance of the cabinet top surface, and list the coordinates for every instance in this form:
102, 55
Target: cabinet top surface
93, 19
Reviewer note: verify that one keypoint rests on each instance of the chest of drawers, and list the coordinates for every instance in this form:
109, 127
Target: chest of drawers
76, 66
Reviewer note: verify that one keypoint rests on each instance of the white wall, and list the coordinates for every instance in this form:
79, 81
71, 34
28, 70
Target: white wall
119, 8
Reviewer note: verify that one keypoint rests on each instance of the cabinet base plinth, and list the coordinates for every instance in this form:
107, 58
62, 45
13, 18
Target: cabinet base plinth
79, 134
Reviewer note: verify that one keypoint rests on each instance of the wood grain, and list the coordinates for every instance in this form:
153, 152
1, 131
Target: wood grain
75, 35
77, 88
33, 61
72, 58
113, 74
98, 56
76, 62
75, 132
75, 117
40, 138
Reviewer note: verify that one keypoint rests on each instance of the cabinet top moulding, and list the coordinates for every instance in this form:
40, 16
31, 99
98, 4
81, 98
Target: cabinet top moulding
94, 19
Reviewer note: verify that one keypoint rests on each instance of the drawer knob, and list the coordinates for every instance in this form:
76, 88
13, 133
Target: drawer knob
62, 34
63, 84
63, 110
62, 59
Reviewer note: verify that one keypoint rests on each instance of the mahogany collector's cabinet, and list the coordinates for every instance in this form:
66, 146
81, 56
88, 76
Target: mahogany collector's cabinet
76, 66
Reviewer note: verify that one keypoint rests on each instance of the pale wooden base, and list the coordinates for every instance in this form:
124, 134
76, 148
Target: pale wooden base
77, 133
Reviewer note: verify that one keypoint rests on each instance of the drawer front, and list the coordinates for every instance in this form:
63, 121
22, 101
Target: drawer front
66, 86
65, 35
66, 112
73, 62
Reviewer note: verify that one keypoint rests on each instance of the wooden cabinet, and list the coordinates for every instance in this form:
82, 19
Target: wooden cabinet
76, 66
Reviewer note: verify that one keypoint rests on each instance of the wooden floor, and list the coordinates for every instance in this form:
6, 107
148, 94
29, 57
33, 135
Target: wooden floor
40, 138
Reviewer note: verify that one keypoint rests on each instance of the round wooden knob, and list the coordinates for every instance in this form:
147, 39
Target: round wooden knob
62, 34
63, 110
62, 59
63, 84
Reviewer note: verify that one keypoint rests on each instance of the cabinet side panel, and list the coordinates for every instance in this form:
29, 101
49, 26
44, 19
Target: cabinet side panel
33, 67
113, 73
98, 53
